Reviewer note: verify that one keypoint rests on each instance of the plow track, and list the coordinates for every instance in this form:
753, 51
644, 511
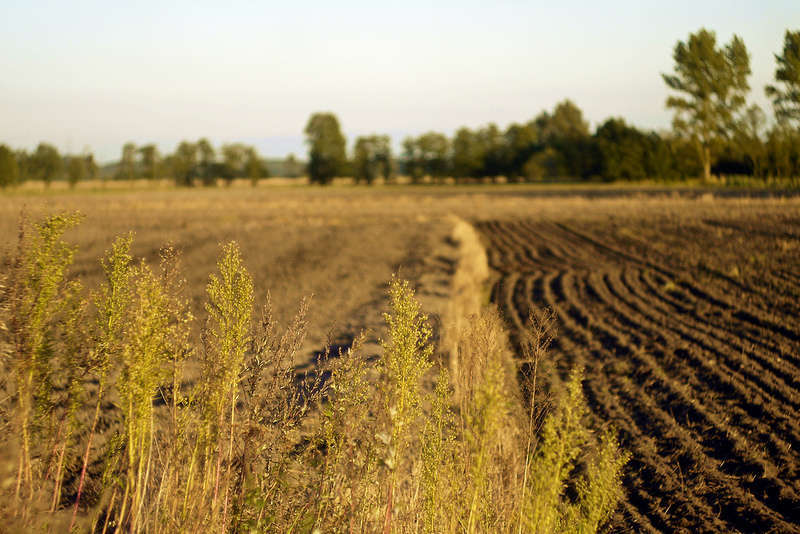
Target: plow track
700, 375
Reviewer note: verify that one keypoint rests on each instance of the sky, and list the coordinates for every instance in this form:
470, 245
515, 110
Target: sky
93, 75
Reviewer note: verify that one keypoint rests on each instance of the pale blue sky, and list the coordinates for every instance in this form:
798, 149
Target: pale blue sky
97, 74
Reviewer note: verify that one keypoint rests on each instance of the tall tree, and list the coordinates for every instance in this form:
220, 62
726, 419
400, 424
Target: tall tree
748, 138
566, 122
326, 148
206, 165
92, 170
786, 100
234, 156
468, 155
292, 168
254, 167
150, 161
184, 164
76, 170
46, 163
127, 163
713, 85
9, 170
413, 164
372, 158
434, 151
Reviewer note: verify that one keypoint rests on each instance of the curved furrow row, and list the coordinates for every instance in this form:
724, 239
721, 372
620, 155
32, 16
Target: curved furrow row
508, 255
519, 241
756, 318
563, 255
768, 233
702, 378
716, 443
776, 392
758, 420
659, 479
766, 353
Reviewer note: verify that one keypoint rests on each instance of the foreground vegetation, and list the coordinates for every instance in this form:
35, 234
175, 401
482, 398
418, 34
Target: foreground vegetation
110, 430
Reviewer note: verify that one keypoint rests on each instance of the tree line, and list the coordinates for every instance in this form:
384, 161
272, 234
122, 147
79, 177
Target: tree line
714, 132
190, 164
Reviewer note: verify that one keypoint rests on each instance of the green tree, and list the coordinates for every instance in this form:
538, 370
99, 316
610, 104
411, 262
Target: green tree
150, 161
206, 165
254, 167
292, 168
372, 158
623, 151
713, 85
783, 151
327, 145
234, 156
433, 151
46, 163
92, 170
76, 170
522, 141
184, 164
786, 100
9, 170
413, 165
127, 163
468, 154
24, 164
748, 138
566, 122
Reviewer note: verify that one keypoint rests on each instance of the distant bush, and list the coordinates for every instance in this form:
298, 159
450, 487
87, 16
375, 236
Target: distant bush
104, 434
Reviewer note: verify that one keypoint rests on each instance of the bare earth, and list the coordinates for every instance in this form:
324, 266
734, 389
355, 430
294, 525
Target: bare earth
682, 307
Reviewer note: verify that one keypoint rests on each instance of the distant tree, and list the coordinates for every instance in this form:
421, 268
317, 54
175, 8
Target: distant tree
468, 154
292, 167
9, 170
76, 170
748, 138
127, 163
184, 164
521, 141
254, 167
150, 161
206, 165
234, 157
92, 170
46, 163
567, 132
566, 122
413, 164
496, 156
545, 164
783, 151
786, 100
372, 158
25, 164
327, 145
623, 151
713, 82
434, 153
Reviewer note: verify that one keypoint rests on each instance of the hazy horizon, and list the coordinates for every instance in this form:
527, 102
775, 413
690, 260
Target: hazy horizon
96, 76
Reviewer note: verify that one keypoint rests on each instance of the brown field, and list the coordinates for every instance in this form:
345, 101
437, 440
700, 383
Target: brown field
682, 307
686, 320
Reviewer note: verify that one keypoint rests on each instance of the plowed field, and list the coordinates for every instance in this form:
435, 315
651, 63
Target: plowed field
689, 334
